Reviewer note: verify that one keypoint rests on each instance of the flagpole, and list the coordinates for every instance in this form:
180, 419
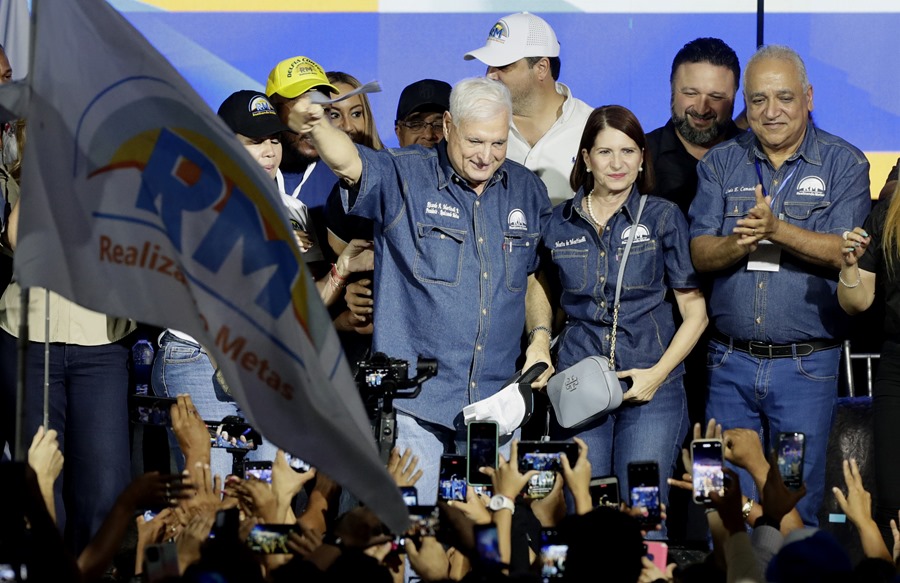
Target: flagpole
46, 359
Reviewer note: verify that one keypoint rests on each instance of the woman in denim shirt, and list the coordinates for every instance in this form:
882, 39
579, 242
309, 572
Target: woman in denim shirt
586, 237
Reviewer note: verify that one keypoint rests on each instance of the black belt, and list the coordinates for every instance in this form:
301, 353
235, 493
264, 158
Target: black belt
763, 350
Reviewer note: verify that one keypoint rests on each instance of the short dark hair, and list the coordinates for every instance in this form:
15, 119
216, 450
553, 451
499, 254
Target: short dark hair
555, 65
708, 50
618, 118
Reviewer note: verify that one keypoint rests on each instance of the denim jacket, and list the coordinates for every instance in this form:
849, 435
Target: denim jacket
588, 266
823, 187
451, 270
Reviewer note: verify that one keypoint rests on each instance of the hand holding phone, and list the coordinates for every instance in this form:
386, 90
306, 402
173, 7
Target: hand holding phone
546, 458
643, 488
452, 478
482, 451
259, 470
553, 555
271, 539
790, 450
605, 491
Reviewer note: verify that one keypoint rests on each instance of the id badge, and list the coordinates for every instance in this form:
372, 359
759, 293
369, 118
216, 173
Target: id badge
767, 257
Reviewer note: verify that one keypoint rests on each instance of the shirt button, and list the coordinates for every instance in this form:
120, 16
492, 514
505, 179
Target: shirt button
478, 348
602, 304
758, 320
477, 203
761, 285
443, 236
481, 239
602, 278
484, 275
472, 385
484, 312
603, 254
527, 243
607, 227
607, 337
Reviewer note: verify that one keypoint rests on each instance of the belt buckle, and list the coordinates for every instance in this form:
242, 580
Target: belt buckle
759, 349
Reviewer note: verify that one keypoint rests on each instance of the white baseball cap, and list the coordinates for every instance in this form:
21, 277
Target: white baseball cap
515, 37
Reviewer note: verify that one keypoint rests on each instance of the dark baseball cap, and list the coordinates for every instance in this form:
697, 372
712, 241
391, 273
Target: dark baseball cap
424, 95
250, 114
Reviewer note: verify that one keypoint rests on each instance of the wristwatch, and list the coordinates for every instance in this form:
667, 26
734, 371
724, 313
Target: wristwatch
501, 502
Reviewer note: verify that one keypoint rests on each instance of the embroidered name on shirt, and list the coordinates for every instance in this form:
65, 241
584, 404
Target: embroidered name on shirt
517, 220
740, 189
441, 210
643, 234
811, 186
568, 242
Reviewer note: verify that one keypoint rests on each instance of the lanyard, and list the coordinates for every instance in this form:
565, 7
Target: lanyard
780, 186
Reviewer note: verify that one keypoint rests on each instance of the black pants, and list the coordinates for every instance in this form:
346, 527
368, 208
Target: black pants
886, 405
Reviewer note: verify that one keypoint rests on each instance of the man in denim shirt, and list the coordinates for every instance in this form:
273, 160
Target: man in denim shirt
456, 233
767, 221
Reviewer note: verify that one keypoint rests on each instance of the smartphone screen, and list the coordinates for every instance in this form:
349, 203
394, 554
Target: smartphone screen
553, 555
643, 491
232, 435
410, 495
259, 470
605, 491
487, 545
482, 451
270, 539
707, 469
546, 458
790, 450
452, 478
423, 521
147, 410
297, 464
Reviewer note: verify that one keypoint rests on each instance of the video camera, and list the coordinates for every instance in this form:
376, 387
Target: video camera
381, 380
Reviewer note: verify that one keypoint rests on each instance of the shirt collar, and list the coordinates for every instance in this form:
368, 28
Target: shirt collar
808, 150
630, 207
445, 171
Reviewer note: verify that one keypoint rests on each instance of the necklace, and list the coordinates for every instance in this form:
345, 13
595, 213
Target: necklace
591, 209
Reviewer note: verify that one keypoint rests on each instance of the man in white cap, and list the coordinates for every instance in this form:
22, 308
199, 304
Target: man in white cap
522, 52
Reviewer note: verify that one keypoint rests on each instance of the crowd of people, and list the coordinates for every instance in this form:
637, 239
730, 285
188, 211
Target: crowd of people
495, 238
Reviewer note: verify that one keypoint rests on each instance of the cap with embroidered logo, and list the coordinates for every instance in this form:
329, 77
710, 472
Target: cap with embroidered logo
293, 77
515, 37
250, 114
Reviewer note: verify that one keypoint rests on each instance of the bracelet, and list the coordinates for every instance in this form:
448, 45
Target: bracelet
747, 507
335, 274
536, 329
847, 285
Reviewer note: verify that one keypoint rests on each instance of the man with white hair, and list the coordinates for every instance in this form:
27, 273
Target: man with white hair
456, 233
522, 52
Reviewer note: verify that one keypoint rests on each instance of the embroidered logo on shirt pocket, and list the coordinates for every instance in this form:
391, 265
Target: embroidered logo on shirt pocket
439, 253
572, 264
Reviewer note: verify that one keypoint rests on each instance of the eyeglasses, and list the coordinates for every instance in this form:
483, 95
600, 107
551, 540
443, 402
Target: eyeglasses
419, 126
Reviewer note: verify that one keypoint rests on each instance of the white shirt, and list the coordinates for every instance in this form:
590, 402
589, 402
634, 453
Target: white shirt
553, 156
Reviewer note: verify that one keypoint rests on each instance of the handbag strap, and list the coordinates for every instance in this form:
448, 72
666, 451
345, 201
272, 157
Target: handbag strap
634, 226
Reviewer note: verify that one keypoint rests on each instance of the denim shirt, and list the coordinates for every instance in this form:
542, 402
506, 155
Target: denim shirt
451, 270
588, 264
823, 187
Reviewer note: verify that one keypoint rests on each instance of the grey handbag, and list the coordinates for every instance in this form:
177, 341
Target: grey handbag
590, 388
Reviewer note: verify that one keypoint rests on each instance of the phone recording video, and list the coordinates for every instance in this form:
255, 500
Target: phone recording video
605, 491
789, 450
259, 470
546, 458
270, 539
452, 478
232, 435
706, 469
643, 491
297, 464
487, 544
553, 555
148, 410
482, 451
410, 495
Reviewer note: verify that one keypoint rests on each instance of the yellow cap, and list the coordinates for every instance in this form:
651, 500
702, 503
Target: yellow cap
293, 77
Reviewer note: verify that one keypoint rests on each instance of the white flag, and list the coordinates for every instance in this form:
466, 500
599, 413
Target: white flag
138, 201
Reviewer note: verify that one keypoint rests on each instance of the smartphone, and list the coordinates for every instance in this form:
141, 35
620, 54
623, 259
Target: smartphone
270, 539
297, 464
149, 410
706, 469
487, 544
160, 562
423, 521
452, 478
232, 435
790, 450
482, 451
643, 491
227, 524
553, 555
658, 553
259, 470
605, 491
546, 458
410, 495
13, 572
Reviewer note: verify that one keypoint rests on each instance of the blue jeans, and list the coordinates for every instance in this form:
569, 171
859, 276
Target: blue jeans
88, 407
429, 442
772, 395
183, 367
649, 432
